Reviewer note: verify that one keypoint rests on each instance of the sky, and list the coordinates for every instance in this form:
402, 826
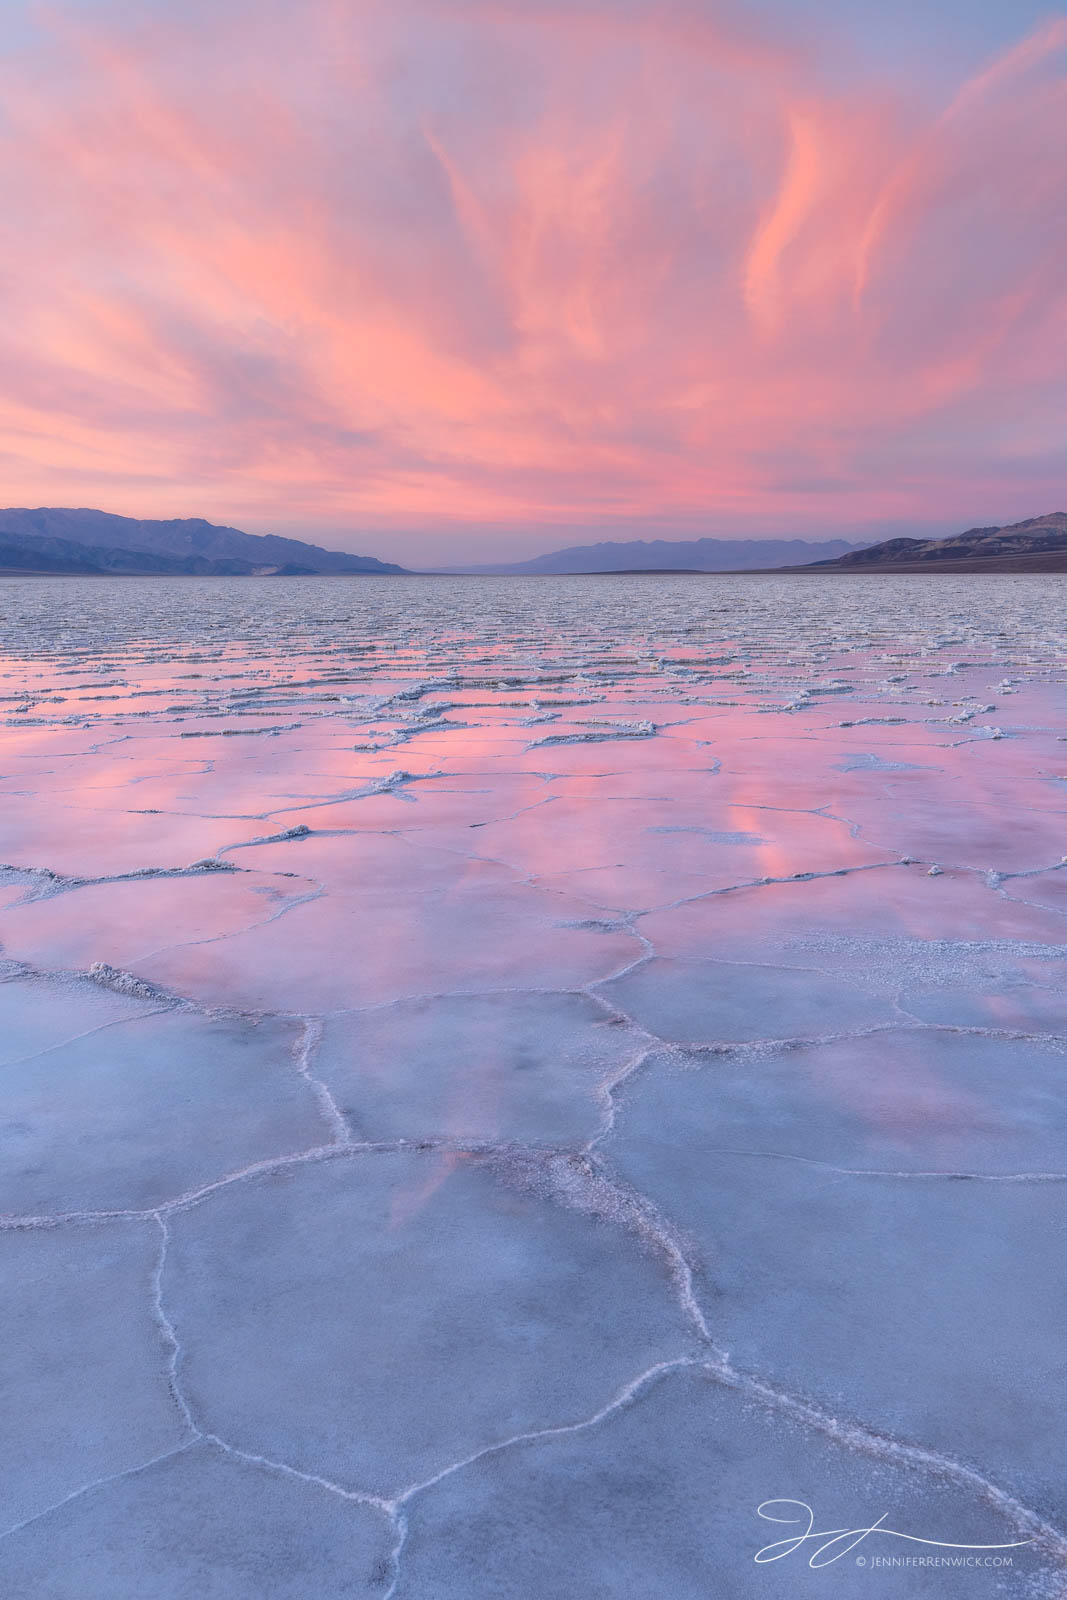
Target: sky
474, 279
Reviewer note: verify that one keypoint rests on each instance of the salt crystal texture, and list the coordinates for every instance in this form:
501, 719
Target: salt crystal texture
501, 1078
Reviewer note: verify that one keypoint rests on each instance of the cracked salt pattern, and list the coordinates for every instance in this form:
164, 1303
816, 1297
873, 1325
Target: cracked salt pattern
502, 1077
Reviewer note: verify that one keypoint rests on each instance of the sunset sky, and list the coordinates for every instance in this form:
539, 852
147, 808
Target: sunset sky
454, 281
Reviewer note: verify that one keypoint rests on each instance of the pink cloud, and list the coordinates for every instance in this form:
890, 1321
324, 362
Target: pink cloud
357, 267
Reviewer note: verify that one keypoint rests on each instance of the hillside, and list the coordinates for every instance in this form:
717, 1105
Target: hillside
53, 539
24, 553
1037, 545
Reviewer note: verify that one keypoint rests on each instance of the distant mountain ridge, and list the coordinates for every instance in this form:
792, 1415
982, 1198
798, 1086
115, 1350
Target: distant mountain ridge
55, 539
674, 555
1037, 545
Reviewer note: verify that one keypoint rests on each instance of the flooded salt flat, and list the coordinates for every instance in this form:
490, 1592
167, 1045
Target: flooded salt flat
504, 1076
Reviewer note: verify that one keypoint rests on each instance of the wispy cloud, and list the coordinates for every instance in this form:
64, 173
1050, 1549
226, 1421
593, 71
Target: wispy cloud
356, 266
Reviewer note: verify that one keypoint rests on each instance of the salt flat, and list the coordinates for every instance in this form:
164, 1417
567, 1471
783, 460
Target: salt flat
504, 1077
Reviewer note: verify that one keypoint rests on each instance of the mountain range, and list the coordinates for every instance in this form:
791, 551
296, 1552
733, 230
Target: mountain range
673, 555
55, 540
1037, 545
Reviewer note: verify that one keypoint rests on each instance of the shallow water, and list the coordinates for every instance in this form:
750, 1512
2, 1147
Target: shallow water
504, 1076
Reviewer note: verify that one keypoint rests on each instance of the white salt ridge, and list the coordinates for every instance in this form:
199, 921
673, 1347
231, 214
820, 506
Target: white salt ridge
596, 732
